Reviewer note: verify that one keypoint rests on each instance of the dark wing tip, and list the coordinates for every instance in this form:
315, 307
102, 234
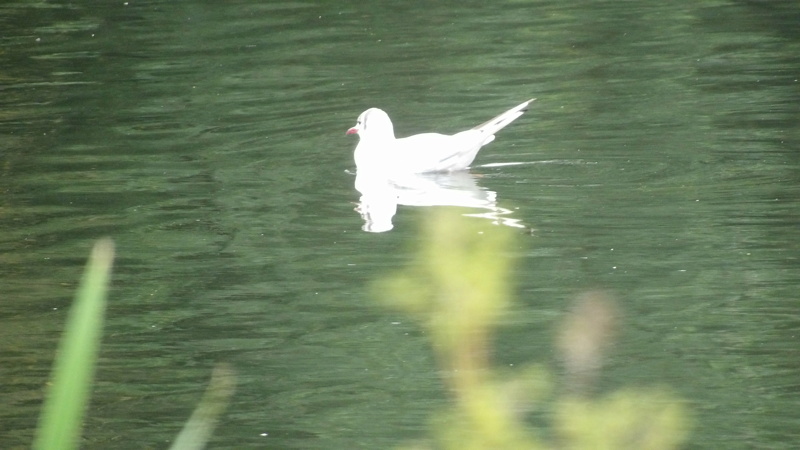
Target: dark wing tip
527, 104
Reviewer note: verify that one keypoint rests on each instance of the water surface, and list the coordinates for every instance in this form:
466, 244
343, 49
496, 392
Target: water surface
658, 162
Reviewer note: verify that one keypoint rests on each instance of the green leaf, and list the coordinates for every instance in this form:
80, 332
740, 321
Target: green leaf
61, 419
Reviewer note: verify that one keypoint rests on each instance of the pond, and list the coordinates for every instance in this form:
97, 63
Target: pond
659, 163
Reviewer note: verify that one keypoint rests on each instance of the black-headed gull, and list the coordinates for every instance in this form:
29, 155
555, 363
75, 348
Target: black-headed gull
378, 149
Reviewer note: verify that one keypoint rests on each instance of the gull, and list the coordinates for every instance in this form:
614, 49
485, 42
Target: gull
379, 151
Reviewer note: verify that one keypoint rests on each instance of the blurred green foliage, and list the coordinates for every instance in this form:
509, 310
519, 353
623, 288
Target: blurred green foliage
459, 288
61, 420
198, 429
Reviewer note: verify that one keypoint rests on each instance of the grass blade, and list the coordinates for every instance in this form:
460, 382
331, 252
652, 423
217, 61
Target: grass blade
197, 431
61, 419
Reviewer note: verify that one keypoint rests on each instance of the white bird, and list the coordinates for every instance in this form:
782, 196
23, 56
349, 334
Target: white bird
378, 150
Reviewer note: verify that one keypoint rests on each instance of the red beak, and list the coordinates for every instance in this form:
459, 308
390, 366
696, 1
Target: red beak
353, 130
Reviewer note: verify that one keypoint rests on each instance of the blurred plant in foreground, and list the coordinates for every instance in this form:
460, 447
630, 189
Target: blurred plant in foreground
61, 419
458, 287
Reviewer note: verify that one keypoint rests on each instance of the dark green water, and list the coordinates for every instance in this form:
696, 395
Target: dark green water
660, 161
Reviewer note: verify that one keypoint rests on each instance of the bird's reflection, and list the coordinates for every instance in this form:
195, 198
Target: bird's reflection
380, 196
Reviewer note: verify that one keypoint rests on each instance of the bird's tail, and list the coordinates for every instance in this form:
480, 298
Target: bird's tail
498, 123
